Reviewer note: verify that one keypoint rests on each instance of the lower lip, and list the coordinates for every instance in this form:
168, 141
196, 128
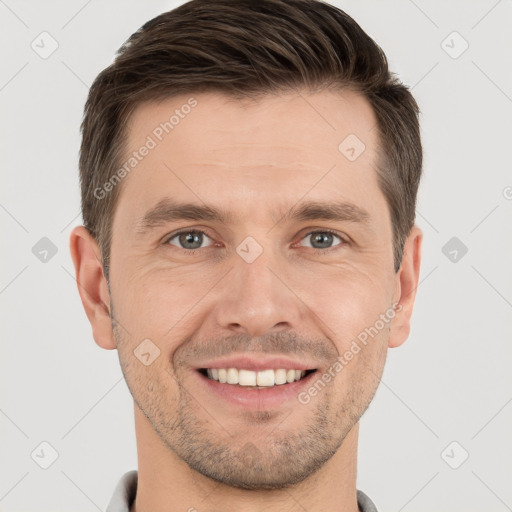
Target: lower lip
263, 398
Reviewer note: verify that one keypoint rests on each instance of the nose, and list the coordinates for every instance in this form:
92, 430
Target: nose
258, 299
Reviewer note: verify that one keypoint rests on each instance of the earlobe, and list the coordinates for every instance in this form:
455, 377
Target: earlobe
407, 283
92, 285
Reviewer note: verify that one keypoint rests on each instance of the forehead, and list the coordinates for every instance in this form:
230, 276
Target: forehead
212, 148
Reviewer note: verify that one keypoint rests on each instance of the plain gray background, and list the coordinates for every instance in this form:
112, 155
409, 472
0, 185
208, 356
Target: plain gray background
445, 394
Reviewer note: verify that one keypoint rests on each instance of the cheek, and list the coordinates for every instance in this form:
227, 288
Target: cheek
162, 303
356, 316
158, 299
348, 302
153, 387
159, 309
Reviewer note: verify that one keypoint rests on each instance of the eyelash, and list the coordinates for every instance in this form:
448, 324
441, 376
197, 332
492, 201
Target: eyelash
343, 239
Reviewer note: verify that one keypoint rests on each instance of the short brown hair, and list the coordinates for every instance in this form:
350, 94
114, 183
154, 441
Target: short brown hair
246, 48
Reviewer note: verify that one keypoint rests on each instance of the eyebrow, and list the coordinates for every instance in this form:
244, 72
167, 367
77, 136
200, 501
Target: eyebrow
168, 210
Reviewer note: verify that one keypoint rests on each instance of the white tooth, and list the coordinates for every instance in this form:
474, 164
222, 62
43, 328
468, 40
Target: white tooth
265, 378
232, 376
209, 373
280, 377
246, 378
223, 377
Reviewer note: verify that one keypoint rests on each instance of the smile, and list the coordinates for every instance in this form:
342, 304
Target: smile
255, 379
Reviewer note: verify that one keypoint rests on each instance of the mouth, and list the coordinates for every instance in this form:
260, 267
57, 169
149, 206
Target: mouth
251, 379
249, 384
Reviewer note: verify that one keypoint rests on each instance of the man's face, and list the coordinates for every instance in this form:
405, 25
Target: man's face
261, 289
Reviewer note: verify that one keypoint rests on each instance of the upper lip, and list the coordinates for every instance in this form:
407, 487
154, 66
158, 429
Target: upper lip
246, 362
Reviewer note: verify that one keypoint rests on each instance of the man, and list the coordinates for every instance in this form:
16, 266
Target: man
249, 173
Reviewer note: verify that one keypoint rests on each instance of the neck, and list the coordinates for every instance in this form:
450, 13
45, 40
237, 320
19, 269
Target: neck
165, 482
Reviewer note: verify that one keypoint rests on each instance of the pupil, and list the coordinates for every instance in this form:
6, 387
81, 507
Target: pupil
323, 239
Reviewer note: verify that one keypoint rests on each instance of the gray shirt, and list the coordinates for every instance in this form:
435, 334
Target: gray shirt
125, 491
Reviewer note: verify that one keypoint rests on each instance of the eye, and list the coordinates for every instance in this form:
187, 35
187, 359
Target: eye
190, 239
193, 239
321, 240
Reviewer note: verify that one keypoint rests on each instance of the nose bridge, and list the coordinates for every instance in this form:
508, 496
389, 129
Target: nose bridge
256, 300
256, 282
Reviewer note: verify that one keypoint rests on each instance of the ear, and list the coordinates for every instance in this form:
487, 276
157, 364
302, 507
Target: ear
406, 285
92, 285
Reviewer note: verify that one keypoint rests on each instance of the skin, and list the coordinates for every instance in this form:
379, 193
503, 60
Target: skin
257, 160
